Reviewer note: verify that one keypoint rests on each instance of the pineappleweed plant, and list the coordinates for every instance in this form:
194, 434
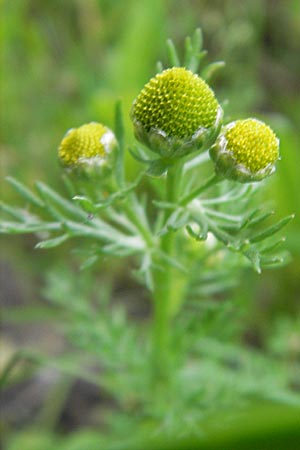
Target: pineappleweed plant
190, 233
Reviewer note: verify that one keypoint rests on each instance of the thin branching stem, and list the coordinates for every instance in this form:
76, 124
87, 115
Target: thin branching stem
214, 179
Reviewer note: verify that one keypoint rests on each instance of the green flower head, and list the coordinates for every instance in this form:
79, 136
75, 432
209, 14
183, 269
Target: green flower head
246, 151
174, 112
90, 144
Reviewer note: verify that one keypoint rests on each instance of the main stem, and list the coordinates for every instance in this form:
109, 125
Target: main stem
163, 292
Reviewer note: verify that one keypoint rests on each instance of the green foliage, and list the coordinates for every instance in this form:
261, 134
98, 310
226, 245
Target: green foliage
197, 246
264, 428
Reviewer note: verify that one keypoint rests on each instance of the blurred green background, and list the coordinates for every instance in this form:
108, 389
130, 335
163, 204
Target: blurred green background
65, 63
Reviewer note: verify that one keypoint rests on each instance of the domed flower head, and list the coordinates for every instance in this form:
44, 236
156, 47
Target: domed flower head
175, 113
88, 148
245, 151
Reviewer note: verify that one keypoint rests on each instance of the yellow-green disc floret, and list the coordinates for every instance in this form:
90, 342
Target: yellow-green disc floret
245, 151
89, 143
177, 102
252, 143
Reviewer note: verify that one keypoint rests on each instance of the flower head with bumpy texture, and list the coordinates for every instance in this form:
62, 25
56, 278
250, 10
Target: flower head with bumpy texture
89, 144
174, 110
246, 150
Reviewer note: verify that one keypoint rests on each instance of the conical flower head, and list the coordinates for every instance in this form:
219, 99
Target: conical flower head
91, 144
174, 112
246, 151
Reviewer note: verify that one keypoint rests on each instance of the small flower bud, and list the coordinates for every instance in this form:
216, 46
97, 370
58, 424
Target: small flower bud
89, 146
175, 113
245, 151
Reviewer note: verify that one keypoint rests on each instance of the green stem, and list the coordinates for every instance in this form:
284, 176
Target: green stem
134, 213
163, 289
131, 209
214, 179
